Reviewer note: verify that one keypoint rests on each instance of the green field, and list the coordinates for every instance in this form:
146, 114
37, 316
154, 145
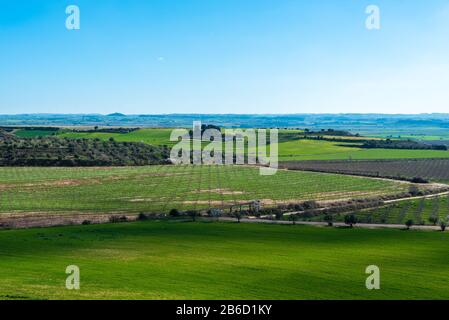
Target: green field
158, 189
23, 133
149, 136
327, 150
288, 150
429, 135
182, 260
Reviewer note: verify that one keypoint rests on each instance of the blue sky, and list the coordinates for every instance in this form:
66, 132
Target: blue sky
224, 56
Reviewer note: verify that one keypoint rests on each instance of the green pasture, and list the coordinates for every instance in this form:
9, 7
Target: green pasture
327, 150
184, 260
23, 133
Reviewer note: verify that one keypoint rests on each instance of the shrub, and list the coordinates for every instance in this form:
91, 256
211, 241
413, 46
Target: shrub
443, 224
308, 205
279, 215
329, 219
214, 213
295, 207
238, 215
409, 224
293, 218
308, 214
142, 216
350, 220
174, 213
419, 180
414, 191
433, 220
116, 219
193, 214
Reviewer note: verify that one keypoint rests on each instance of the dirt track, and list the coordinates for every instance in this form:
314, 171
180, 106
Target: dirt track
33, 220
336, 224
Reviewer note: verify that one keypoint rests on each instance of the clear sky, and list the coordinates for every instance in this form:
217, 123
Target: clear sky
224, 56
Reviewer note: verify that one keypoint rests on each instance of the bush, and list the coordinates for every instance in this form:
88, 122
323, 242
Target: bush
329, 219
350, 220
174, 213
409, 224
419, 180
309, 205
443, 224
293, 218
433, 220
296, 207
142, 216
86, 222
238, 215
279, 215
414, 191
214, 213
193, 214
116, 219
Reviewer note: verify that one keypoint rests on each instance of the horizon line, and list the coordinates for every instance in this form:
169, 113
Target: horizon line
223, 114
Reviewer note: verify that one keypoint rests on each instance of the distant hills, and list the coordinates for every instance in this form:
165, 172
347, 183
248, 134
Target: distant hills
116, 114
437, 124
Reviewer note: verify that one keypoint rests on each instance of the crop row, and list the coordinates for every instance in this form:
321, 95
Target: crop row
432, 169
162, 188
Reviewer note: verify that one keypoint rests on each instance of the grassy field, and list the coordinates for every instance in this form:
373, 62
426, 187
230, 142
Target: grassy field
289, 150
33, 133
434, 135
162, 188
149, 136
178, 260
326, 150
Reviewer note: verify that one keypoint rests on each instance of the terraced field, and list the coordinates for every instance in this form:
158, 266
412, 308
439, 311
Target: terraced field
162, 188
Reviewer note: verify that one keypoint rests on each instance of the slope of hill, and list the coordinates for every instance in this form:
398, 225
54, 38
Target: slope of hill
53, 151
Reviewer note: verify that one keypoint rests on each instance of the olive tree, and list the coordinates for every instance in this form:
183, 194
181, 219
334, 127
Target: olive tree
350, 220
329, 219
409, 224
